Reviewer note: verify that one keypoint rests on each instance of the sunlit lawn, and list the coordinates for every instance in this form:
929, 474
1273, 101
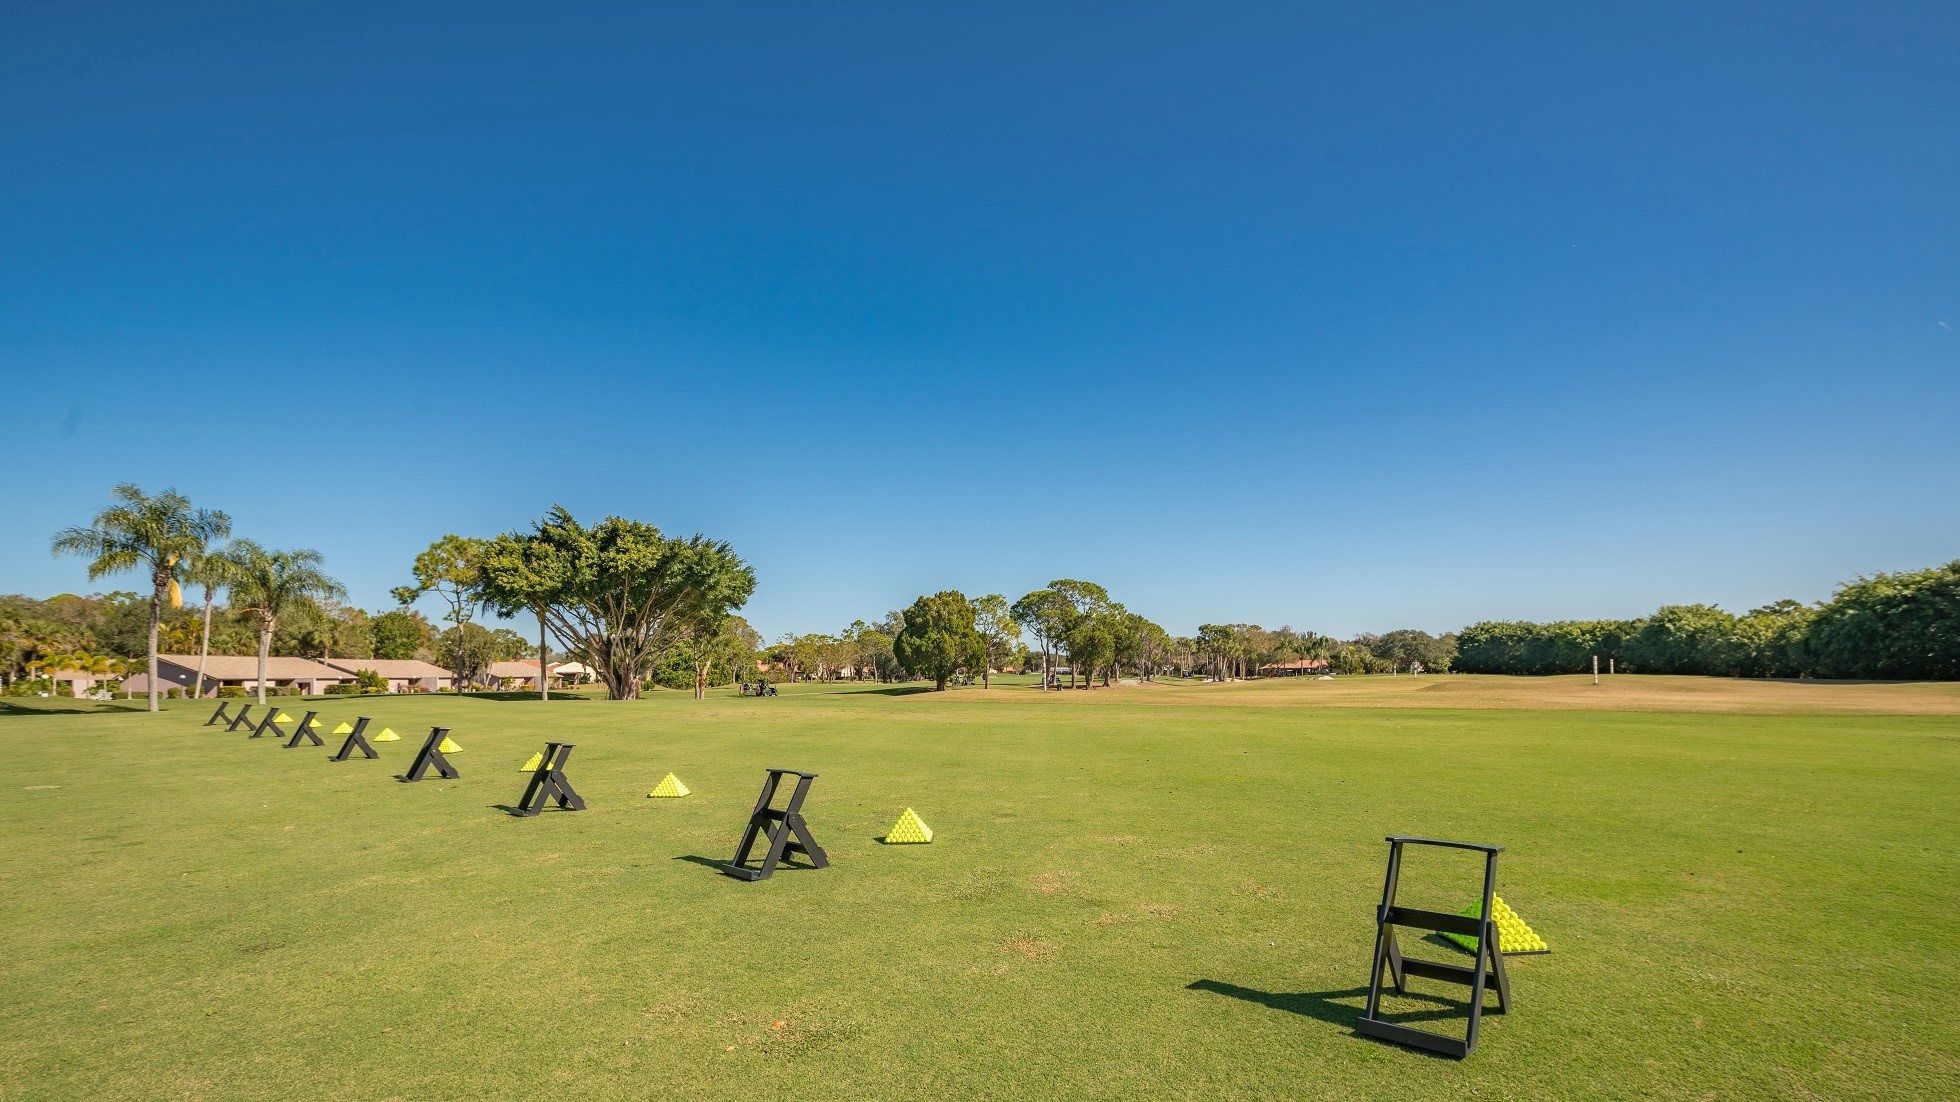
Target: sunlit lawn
1149, 892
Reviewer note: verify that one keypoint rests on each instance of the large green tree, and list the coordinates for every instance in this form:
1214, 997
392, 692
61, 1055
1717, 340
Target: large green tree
160, 536
1893, 626
449, 568
939, 638
994, 618
403, 633
619, 593
268, 583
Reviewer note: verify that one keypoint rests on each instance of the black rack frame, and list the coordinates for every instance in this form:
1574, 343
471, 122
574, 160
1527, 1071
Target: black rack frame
548, 783
430, 757
356, 740
1487, 974
305, 731
786, 831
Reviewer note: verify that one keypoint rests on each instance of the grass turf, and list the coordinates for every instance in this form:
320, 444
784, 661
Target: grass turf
1140, 893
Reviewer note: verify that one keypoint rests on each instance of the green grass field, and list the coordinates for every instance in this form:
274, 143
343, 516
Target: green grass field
1140, 893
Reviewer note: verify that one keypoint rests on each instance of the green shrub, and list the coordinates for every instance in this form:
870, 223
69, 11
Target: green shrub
368, 681
233, 692
346, 689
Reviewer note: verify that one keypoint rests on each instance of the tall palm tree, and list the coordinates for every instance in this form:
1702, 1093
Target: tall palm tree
214, 570
49, 663
267, 582
160, 535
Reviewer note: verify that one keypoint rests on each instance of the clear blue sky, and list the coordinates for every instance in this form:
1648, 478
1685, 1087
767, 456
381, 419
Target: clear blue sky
1349, 320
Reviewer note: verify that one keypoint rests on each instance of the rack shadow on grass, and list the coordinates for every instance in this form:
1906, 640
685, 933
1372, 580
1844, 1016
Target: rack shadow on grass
1323, 1005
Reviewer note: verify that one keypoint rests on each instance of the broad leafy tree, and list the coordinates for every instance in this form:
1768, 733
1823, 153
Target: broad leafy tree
403, 633
160, 536
994, 619
1046, 615
268, 583
450, 570
939, 638
619, 593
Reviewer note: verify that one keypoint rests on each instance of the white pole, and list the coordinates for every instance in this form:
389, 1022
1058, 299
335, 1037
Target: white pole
1595, 669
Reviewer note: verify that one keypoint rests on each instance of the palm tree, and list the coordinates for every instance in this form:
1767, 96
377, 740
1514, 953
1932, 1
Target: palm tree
266, 582
160, 535
49, 663
214, 570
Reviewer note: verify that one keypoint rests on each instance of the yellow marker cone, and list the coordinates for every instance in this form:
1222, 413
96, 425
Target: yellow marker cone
317, 723
282, 718
1513, 936
531, 766
344, 729
909, 828
669, 786
448, 746
387, 735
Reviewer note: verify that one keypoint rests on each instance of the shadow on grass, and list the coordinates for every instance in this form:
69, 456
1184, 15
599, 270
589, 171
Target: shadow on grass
700, 860
898, 690
10, 708
1318, 1005
504, 698
1325, 1006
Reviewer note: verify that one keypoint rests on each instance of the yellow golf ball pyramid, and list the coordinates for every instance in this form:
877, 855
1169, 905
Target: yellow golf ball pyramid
910, 829
448, 746
531, 764
670, 787
1513, 934
387, 735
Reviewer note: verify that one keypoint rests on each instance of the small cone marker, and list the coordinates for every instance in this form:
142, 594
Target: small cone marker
449, 746
531, 765
344, 729
282, 718
316, 723
1513, 936
387, 735
669, 786
909, 829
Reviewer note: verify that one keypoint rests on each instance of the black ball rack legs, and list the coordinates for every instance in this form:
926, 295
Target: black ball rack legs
356, 740
430, 757
305, 730
1486, 974
785, 830
548, 783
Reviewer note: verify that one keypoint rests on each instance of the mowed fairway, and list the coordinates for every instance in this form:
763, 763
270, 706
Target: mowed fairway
1140, 893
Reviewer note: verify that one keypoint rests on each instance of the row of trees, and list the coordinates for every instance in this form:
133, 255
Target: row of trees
1903, 626
172, 544
35, 634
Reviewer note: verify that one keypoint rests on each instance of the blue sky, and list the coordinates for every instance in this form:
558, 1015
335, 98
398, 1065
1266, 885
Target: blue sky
1348, 320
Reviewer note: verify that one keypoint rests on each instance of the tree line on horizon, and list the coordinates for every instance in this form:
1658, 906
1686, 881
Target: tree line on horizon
1887, 627
641, 609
